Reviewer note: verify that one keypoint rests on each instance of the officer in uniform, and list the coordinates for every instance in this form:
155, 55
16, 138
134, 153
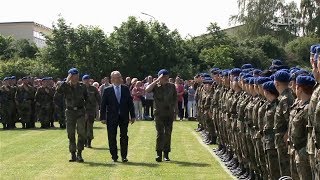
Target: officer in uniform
94, 98
271, 95
59, 107
7, 104
286, 99
24, 100
44, 103
75, 94
165, 99
297, 134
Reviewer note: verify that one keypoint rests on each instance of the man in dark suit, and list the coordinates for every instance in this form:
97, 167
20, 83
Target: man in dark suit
116, 105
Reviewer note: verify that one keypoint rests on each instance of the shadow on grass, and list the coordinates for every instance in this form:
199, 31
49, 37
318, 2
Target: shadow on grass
190, 164
140, 164
35, 129
98, 127
95, 164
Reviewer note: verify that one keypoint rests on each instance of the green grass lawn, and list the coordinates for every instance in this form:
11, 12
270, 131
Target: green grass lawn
43, 154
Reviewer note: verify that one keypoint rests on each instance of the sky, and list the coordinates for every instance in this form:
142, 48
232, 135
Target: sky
189, 17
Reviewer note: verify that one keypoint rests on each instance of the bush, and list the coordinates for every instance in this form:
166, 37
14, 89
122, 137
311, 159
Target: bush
26, 67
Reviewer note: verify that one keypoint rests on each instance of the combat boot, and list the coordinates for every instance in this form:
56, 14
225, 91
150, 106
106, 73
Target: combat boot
23, 125
159, 156
4, 126
166, 156
73, 157
79, 157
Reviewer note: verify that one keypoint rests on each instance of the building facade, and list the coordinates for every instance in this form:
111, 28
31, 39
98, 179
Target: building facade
29, 30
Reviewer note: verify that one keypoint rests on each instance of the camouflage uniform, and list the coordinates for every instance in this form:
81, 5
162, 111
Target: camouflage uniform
165, 100
269, 143
94, 99
44, 105
311, 130
24, 99
75, 98
7, 105
59, 108
298, 139
281, 119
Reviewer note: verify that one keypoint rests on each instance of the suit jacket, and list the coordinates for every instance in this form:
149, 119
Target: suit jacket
110, 106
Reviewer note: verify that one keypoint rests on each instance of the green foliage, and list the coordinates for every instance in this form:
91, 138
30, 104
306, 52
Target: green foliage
25, 49
7, 49
220, 56
26, 67
298, 50
310, 10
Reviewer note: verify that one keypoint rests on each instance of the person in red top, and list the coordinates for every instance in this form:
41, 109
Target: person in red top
180, 92
137, 94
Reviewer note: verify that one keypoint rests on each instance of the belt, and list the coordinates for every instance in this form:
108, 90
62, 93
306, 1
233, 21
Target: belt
75, 108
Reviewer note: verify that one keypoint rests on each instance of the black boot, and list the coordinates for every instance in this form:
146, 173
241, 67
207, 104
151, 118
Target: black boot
159, 156
73, 157
89, 143
79, 157
4, 126
166, 156
23, 125
52, 124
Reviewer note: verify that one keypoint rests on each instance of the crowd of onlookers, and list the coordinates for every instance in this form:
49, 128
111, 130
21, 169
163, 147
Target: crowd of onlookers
143, 101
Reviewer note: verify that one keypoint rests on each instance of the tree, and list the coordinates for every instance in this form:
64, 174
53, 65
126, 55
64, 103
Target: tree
220, 56
310, 10
25, 49
7, 49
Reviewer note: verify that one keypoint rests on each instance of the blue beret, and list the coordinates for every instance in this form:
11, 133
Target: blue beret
164, 72
313, 48
235, 71
282, 76
277, 62
269, 86
6, 78
13, 77
24, 78
225, 73
305, 80
246, 66
214, 70
251, 80
257, 72
207, 80
73, 71
205, 75
44, 78
84, 77
261, 80
272, 77
246, 76
64, 79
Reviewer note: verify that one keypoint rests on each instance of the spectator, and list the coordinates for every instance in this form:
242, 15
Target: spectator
104, 83
148, 108
185, 98
180, 92
192, 110
133, 83
137, 93
128, 82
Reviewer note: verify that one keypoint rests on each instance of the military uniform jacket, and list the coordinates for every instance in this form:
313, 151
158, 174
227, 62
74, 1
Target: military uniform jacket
75, 96
165, 99
281, 119
93, 100
311, 118
269, 134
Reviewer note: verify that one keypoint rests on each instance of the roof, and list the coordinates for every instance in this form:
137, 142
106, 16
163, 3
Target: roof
28, 22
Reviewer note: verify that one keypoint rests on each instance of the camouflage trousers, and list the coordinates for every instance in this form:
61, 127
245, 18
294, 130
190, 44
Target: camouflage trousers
25, 111
89, 124
76, 122
273, 164
283, 156
164, 130
302, 164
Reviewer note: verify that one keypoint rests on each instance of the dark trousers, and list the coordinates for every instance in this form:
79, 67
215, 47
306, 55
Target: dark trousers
186, 113
164, 130
148, 107
112, 127
180, 110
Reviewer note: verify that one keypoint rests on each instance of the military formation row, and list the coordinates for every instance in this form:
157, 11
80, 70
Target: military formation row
266, 123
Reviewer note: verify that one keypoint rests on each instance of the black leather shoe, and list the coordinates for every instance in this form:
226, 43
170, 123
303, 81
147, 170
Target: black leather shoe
115, 160
89, 143
124, 160
79, 157
166, 156
159, 156
73, 157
